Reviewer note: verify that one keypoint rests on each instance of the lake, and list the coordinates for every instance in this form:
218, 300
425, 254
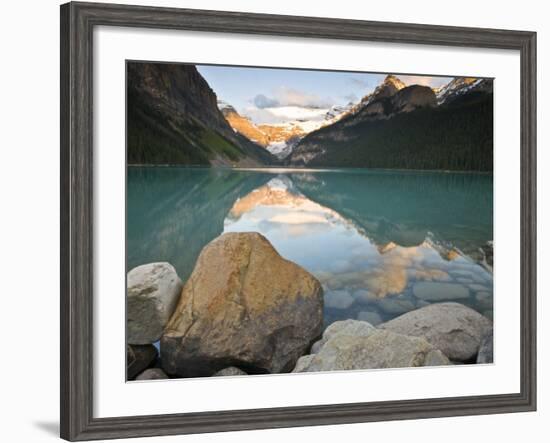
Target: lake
381, 242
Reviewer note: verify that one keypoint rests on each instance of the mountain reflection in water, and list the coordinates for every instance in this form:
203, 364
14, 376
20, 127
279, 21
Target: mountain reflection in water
381, 242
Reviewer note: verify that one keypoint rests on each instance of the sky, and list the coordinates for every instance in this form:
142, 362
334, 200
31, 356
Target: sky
268, 95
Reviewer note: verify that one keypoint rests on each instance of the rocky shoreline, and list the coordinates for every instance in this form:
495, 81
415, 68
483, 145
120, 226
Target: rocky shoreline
247, 310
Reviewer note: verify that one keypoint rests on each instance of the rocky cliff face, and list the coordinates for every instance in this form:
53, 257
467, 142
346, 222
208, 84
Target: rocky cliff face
243, 125
408, 127
173, 118
278, 139
388, 100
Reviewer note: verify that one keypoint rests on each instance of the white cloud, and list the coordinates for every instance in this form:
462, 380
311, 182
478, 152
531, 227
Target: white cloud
284, 114
299, 113
293, 97
261, 101
285, 96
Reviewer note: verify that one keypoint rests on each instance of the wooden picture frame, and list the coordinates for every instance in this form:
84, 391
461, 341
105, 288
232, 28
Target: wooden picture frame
77, 23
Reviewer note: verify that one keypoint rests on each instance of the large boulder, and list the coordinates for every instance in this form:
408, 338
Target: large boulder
377, 349
152, 295
139, 358
243, 305
485, 354
351, 327
453, 328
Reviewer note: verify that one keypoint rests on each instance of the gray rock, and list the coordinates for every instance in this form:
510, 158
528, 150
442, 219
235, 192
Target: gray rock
395, 305
436, 358
152, 294
303, 363
378, 349
230, 371
370, 317
338, 299
453, 328
243, 305
344, 327
435, 291
485, 354
139, 358
152, 374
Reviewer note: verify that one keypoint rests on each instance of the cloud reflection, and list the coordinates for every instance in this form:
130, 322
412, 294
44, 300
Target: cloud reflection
328, 245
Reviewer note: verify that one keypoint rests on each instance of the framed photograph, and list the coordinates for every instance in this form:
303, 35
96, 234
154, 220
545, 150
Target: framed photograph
272, 221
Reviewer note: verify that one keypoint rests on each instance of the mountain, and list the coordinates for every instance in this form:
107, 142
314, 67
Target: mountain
281, 138
243, 125
408, 127
337, 112
460, 87
173, 118
387, 88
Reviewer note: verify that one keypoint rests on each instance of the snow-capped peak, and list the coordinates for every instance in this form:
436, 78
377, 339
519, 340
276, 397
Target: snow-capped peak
336, 112
457, 86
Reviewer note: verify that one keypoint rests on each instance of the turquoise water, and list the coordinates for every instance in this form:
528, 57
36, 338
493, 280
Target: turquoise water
381, 242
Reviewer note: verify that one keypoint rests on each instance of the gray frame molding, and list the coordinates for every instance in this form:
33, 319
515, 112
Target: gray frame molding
77, 23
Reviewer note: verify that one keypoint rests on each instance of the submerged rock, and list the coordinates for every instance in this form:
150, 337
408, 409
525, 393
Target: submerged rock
478, 287
339, 299
370, 317
395, 305
453, 328
152, 295
229, 372
432, 291
243, 305
139, 358
377, 349
152, 374
485, 354
484, 299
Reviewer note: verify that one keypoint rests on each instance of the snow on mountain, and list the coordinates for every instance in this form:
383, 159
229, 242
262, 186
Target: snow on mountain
280, 138
337, 112
459, 86
280, 149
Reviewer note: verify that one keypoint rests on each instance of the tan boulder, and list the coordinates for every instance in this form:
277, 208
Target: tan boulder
243, 305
